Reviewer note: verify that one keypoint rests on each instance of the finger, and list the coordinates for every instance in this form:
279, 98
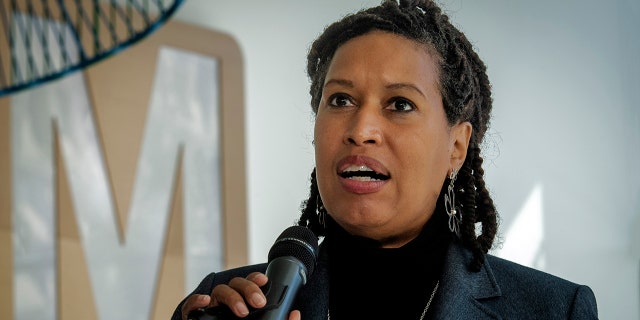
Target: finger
194, 302
224, 294
259, 278
250, 290
295, 315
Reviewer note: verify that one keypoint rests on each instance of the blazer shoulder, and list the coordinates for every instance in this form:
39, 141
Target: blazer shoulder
510, 274
542, 292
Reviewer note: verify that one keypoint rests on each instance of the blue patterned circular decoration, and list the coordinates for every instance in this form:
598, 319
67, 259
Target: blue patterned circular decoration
42, 40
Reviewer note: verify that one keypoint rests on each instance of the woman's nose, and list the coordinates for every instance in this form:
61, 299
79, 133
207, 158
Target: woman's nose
364, 127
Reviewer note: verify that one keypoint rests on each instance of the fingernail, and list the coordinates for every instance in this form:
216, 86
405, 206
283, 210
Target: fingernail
241, 309
258, 300
262, 277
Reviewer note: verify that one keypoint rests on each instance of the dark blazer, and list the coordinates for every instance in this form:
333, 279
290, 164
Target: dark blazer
501, 290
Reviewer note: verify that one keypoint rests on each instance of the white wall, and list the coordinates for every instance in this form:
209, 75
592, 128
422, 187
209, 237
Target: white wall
562, 148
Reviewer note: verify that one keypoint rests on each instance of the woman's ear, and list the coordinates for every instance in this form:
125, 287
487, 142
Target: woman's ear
460, 136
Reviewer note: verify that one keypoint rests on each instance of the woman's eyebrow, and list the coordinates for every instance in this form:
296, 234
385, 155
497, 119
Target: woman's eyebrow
340, 82
402, 85
393, 86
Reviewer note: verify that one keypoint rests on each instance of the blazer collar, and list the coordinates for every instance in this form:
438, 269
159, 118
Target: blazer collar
458, 293
461, 289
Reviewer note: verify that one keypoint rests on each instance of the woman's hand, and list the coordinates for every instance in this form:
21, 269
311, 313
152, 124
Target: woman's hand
238, 291
195, 301
234, 295
295, 315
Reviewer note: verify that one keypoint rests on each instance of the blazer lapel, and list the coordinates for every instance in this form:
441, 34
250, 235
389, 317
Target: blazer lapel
461, 289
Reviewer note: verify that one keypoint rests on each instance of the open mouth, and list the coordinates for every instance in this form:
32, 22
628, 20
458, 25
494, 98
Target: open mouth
362, 173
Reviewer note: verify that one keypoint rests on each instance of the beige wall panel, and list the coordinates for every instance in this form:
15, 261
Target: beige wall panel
6, 262
6, 272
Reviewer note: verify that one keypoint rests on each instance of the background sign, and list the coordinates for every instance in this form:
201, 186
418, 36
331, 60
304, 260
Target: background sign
123, 185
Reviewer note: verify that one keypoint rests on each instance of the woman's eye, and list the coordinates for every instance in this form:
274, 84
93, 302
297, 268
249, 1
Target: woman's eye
340, 100
402, 105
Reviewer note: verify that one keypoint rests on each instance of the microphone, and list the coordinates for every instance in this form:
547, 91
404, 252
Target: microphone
292, 260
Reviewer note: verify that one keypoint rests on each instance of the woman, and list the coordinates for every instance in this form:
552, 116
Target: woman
402, 103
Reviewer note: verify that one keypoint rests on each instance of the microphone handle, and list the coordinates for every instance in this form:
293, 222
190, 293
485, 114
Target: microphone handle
289, 275
286, 276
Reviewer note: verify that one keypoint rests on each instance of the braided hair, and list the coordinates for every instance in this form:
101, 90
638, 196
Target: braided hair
466, 95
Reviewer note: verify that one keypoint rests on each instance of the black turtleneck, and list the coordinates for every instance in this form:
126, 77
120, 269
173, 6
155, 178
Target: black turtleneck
370, 282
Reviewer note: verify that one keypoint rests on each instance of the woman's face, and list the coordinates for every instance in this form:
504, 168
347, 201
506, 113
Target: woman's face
383, 144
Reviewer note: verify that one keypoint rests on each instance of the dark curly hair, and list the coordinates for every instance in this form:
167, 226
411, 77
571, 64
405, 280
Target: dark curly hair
466, 95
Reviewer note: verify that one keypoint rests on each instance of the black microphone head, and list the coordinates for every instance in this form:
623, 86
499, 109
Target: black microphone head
298, 242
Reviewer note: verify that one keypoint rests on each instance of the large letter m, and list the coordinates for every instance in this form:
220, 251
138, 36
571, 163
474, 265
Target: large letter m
181, 137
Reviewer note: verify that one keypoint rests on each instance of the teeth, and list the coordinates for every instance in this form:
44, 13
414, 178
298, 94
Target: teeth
362, 173
361, 178
354, 168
